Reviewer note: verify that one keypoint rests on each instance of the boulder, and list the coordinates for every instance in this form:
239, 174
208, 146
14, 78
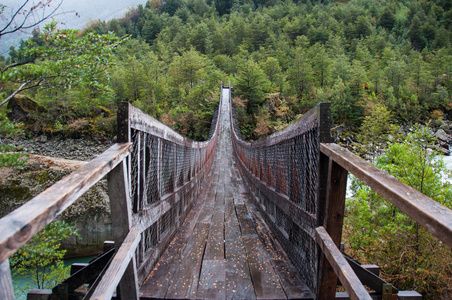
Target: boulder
21, 106
443, 136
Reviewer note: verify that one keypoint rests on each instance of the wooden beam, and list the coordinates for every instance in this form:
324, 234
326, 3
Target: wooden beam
88, 273
118, 266
333, 221
433, 216
340, 265
23, 223
121, 216
123, 124
368, 278
6, 282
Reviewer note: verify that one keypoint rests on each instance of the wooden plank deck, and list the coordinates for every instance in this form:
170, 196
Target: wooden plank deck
224, 250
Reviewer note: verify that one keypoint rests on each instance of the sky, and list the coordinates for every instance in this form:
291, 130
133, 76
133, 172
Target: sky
72, 14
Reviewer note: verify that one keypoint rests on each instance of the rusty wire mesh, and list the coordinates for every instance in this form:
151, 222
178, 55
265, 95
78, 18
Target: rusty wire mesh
282, 173
166, 174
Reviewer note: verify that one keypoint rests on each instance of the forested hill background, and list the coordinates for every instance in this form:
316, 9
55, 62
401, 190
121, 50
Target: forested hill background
354, 54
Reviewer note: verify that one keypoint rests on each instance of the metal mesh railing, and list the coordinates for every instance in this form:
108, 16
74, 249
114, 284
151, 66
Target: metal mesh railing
166, 176
282, 172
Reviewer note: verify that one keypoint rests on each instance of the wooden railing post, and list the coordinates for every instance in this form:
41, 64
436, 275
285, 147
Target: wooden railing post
333, 221
121, 216
332, 189
121, 206
123, 129
6, 282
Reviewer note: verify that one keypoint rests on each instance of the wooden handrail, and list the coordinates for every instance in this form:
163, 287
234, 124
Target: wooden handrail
118, 266
23, 223
345, 273
433, 216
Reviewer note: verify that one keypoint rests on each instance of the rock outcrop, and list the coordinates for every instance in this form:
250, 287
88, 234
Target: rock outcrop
90, 214
21, 107
443, 141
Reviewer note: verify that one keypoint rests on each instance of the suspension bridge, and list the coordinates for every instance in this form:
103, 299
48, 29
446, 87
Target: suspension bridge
221, 219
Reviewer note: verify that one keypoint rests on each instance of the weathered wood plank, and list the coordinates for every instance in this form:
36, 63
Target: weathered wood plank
340, 265
229, 211
265, 281
433, 216
118, 266
215, 241
188, 271
22, 224
246, 224
212, 280
161, 277
334, 219
238, 278
6, 282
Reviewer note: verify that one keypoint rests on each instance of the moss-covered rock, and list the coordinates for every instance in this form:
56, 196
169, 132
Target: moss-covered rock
21, 107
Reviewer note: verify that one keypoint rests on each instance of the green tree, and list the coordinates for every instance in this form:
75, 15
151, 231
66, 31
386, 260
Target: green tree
42, 256
171, 6
415, 34
64, 60
299, 75
189, 69
274, 74
251, 83
377, 232
387, 18
376, 131
201, 39
320, 63
344, 107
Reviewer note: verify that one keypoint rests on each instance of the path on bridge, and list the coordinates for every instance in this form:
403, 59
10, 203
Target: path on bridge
224, 250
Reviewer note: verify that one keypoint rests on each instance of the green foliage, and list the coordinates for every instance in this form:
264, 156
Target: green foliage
376, 131
42, 256
8, 130
61, 59
251, 83
377, 232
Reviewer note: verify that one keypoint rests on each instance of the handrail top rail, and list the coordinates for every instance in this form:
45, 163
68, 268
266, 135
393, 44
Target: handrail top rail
22, 224
435, 217
144, 122
297, 127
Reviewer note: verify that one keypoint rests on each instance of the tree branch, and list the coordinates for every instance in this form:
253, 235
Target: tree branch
22, 88
23, 26
13, 17
15, 65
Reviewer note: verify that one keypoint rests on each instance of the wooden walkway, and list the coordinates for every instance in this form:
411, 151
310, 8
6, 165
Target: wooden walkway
224, 250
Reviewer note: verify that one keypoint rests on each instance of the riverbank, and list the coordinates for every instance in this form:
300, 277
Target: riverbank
74, 149
48, 161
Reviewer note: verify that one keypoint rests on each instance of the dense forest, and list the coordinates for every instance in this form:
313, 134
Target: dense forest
354, 55
389, 61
